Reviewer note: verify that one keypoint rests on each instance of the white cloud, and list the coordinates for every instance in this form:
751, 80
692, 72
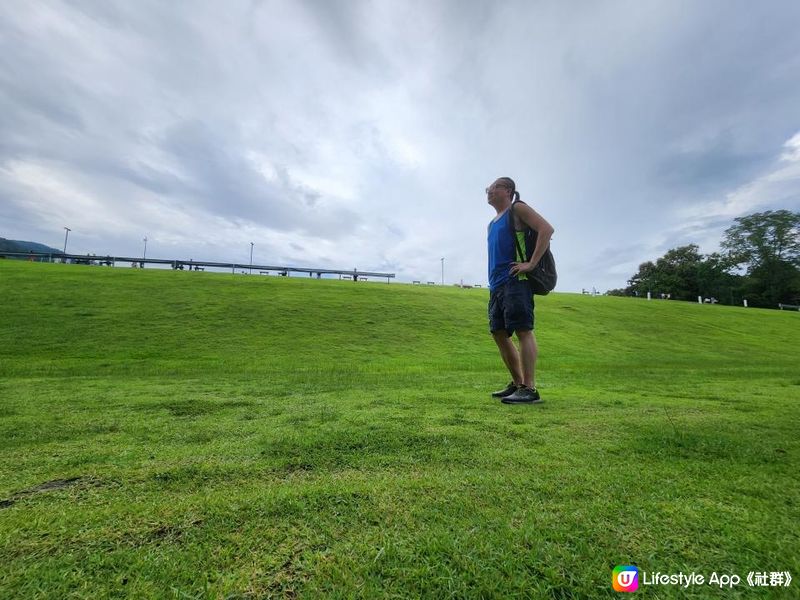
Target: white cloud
778, 187
792, 153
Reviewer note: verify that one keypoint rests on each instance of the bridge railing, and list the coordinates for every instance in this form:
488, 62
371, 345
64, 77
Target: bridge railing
355, 274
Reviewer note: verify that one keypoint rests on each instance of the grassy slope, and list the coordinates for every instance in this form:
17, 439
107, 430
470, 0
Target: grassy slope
267, 436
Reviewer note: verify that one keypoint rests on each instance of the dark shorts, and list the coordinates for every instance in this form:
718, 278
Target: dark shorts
511, 307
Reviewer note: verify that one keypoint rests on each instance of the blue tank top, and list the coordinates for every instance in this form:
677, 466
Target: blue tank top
502, 251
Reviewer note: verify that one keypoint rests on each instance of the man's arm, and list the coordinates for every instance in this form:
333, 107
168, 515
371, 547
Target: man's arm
544, 232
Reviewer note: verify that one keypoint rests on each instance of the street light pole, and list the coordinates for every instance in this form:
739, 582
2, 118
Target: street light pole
443, 271
66, 236
145, 248
251, 258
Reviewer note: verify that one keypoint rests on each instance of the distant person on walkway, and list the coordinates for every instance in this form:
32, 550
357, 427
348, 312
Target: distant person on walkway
510, 297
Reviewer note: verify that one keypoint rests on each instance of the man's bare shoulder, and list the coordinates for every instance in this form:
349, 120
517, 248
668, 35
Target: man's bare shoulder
526, 216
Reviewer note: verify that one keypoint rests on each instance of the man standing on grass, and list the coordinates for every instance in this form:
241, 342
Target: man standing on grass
510, 296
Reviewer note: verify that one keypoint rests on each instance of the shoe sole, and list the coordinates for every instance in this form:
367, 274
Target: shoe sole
507, 401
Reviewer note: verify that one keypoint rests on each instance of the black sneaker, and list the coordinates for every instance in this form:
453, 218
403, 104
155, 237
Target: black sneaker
523, 395
509, 389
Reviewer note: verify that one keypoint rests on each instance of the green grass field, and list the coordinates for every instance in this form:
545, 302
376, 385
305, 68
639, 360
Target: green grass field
195, 435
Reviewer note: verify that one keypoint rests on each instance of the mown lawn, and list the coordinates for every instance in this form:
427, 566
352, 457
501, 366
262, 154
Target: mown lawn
193, 435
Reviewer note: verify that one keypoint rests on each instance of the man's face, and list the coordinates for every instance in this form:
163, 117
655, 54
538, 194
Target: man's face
496, 192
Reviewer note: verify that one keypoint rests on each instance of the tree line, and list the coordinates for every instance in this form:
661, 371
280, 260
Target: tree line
759, 261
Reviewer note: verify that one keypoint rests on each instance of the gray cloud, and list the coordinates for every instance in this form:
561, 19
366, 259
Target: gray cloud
362, 134
717, 164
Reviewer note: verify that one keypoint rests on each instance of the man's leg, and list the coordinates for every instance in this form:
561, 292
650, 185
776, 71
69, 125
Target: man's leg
529, 351
520, 316
509, 354
527, 393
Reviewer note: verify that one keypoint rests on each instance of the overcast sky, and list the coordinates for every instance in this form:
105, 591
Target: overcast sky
349, 133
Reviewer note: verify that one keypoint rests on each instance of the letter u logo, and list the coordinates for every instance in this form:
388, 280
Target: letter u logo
625, 578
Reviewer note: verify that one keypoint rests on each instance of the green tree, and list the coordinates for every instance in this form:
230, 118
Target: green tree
771, 283
757, 239
678, 272
685, 274
645, 280
767, 246
715, 279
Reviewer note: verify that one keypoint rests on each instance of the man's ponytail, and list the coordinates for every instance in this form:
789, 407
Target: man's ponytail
509, 183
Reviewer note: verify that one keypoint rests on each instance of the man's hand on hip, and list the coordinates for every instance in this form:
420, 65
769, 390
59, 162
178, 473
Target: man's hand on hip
523, 267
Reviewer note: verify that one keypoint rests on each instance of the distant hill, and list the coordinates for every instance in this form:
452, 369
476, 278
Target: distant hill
20, 246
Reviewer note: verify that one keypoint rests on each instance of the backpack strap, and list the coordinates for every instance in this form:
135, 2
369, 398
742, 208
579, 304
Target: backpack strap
520, 253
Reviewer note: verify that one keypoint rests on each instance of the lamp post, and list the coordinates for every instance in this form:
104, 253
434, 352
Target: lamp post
66, 237
251, 258
442, 271
144, 255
